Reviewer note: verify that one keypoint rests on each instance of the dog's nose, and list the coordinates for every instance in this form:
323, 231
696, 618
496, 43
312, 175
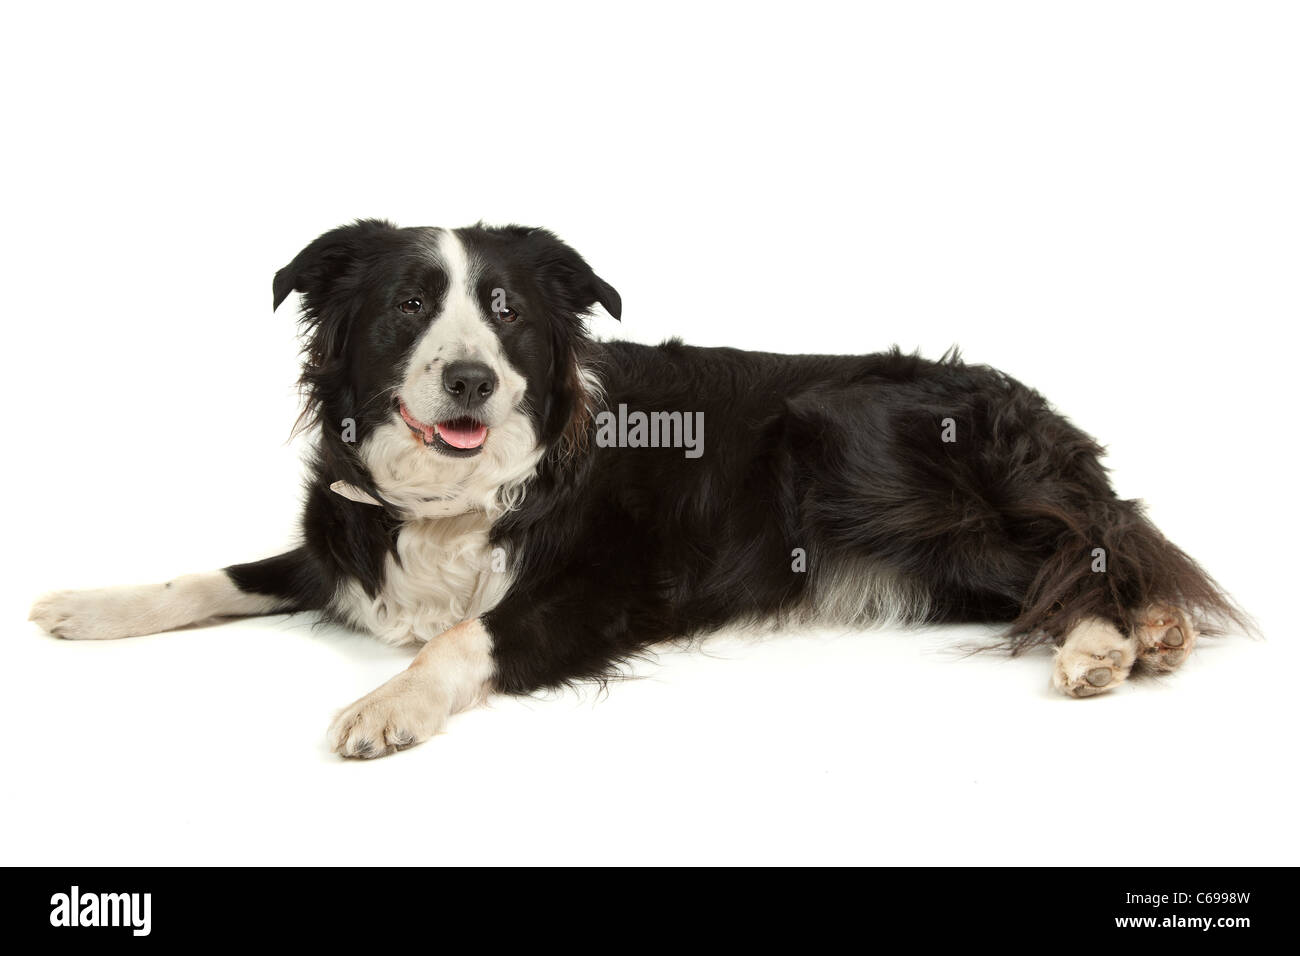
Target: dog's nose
470, 383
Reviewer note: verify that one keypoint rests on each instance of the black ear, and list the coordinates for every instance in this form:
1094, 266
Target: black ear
326, 257
566, 276
608, 297
285, 281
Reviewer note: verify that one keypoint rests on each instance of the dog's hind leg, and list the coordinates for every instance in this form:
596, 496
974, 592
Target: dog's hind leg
1094, 657
1165, 636
1117, 597
284, 583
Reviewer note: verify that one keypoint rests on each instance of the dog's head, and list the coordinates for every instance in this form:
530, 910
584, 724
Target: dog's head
445, 362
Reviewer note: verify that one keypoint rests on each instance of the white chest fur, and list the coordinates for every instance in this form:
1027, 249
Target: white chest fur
446, 573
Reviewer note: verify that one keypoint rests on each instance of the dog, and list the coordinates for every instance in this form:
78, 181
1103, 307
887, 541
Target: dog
533, 507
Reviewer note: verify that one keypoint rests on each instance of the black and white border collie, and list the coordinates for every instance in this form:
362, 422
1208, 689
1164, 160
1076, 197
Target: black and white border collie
469, 493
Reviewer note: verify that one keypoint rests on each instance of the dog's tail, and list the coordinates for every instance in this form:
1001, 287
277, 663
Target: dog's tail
1113, 563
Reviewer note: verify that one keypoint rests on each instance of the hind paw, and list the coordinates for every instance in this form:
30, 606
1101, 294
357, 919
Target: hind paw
1094, 658
1165, 636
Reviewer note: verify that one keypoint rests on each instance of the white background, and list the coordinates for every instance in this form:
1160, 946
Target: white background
1100, 198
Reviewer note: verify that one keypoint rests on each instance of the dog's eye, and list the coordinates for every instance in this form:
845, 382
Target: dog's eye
411, 306
507, 315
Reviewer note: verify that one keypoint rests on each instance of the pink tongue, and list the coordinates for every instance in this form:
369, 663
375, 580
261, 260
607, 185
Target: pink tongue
462, 434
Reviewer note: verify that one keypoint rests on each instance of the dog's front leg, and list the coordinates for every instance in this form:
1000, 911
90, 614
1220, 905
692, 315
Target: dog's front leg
451, 673
285, 583
548, 635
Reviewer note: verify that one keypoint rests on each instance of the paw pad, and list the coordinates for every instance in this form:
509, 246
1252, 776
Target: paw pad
1165, 637
1094, 659
1098, 676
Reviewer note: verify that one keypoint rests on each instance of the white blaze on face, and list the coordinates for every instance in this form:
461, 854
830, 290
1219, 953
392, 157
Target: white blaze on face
421, 480
461, 331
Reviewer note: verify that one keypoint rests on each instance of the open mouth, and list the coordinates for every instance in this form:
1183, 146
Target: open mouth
456, 436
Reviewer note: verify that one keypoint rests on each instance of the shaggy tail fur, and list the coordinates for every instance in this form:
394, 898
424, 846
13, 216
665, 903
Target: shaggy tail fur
1113, 564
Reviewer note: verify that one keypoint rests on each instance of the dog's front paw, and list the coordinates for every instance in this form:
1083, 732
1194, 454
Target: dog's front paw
94, 615
403, 712
1094, 658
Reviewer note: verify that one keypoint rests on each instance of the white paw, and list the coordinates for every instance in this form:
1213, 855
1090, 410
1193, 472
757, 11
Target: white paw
1094, 658
105, 613
97, 615
1165, 636
405, 711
